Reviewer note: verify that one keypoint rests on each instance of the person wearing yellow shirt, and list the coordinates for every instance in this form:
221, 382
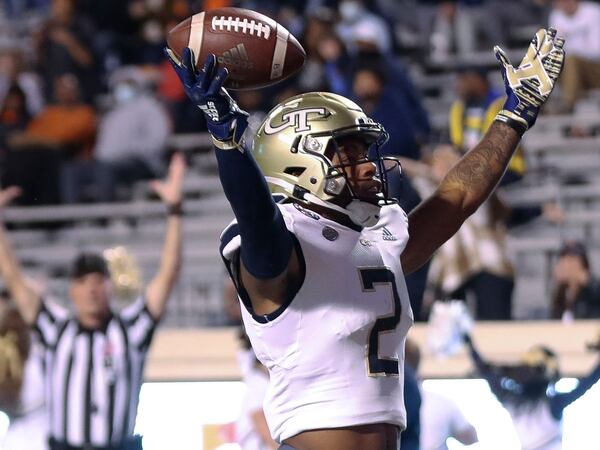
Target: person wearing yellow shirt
472, 114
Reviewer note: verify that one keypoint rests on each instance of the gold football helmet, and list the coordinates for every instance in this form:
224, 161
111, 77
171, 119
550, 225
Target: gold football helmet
295, 144
544, 359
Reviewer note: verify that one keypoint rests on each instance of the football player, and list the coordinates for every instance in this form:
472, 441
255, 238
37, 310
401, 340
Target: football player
527, 391
321, 276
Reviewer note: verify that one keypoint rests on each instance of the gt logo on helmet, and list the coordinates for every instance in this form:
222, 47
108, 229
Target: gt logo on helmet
297, 118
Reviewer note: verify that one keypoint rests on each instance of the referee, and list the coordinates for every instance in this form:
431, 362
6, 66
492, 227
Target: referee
95, 358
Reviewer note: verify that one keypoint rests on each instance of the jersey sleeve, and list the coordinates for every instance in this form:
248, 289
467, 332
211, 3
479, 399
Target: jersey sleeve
138, 323
50, 320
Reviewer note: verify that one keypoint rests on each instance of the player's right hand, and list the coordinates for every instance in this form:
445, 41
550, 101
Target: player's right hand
529, 85
226, 122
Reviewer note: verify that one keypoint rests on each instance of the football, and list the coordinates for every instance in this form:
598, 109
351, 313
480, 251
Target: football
255, 49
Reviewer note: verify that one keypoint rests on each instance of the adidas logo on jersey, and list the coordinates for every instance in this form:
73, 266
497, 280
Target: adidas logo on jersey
237, 57
387, 236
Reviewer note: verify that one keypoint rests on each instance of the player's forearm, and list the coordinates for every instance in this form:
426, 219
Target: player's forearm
160, 288
79, 53
471, 181
25, 298
171, 253
584, 385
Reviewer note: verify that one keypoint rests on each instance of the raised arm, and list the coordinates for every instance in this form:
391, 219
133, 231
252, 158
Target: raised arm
25, 296
470, 182
560, 401
159, 289
267, 252
487, 372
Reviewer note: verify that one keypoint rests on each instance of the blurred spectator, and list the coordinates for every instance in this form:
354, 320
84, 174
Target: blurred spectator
63, 45
69, 123
252, 431
359, 27
131, 141
440, 418
452, 26
15, 343
146, 42
16, 8
509, 16
64, 129
186, 117
461, 27
113, 31
252, 102
474, 111
13, 72
21, 381
576, 292
526, 390
398, 110
578, 23
410, 436
318, 39
474, 262
14, 116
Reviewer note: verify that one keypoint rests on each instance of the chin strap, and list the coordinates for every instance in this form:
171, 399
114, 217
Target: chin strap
362, 213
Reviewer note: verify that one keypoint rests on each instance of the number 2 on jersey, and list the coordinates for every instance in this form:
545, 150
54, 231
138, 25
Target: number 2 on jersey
381, 366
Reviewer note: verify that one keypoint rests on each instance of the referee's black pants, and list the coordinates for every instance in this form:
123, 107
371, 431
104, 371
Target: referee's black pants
134, 443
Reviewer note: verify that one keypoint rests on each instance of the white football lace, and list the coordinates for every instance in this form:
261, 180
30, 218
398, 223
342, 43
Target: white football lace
241, 25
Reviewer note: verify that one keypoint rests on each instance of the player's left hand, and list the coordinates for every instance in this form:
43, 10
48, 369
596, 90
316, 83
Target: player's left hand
529, 85
169, 189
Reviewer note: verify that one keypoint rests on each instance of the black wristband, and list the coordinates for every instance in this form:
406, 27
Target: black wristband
175, 209
514, 124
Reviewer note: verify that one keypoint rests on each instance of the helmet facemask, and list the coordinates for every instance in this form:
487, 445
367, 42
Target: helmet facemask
338, 182
362, 210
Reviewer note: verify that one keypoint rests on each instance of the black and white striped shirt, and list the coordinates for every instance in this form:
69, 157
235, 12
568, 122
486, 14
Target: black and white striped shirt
93, 377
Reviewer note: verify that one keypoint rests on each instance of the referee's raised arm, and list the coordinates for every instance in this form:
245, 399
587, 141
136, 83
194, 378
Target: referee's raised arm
28, 301
160, 287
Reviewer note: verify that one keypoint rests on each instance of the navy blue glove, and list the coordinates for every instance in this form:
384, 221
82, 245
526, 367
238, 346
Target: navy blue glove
226, 122
529, 85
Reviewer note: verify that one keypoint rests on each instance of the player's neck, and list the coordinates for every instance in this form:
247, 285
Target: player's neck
331, 214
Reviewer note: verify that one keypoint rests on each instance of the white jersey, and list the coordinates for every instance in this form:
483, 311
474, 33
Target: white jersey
536, 427
335, 352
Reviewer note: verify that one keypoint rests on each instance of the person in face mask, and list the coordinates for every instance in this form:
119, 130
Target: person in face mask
131, 139
124, 92
357, 23
386, 105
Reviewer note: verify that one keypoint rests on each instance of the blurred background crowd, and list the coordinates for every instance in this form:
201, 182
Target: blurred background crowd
90, 108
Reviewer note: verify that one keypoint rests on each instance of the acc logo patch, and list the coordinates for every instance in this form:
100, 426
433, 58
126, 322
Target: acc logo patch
306, 212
